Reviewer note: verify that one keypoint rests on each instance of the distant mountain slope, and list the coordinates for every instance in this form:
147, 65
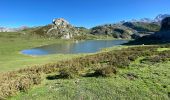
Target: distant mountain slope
162, 36
143, 26
6, 29
157, 19
160, 17
114, 30
131, 29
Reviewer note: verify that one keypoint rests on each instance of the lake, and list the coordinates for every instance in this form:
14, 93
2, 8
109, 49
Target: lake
87, 46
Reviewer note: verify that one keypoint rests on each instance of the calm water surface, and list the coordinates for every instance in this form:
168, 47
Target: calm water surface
88, 46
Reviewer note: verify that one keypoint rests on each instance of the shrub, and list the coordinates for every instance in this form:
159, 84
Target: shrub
105, 71
68, 73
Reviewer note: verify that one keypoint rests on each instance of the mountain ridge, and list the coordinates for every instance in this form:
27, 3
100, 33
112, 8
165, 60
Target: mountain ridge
61, 28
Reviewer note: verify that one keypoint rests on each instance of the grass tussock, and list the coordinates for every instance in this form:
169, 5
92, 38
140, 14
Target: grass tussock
105, 71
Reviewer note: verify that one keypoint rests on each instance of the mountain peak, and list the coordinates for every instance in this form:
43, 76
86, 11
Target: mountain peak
160, 17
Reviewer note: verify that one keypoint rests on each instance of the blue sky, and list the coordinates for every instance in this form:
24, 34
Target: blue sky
87, 13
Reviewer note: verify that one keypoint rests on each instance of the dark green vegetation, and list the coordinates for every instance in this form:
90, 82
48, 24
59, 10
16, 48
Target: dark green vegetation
129, 71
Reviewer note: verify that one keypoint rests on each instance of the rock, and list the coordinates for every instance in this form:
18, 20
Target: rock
165, 25
60, 22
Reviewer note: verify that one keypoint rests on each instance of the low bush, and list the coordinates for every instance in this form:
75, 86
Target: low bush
160, 57
105, 71
68, 73
11, 85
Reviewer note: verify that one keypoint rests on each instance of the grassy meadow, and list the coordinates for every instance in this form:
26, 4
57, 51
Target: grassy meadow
117, 73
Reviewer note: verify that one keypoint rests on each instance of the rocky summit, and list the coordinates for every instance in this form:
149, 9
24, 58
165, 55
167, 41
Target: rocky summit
60, 22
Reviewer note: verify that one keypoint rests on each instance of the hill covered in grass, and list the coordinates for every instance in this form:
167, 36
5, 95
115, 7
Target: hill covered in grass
126, 30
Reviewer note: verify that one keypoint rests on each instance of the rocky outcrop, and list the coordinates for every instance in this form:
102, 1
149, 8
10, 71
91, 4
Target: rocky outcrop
60, 28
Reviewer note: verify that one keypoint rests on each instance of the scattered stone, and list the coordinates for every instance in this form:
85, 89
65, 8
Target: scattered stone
77, 81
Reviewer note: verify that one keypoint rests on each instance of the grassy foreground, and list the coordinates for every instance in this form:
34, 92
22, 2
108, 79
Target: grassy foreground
152, 83
141, 80
141, 73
